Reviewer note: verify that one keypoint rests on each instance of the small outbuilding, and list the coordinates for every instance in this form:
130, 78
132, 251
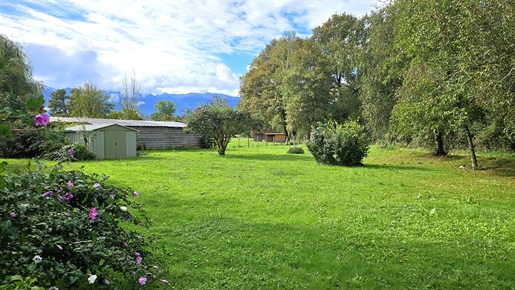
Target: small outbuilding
110, 141
269, 136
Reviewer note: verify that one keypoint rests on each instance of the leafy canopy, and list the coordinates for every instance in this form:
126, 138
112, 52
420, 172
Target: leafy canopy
217, 121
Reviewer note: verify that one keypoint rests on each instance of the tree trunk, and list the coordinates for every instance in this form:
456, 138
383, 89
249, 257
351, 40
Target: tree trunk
439, 149
471, 147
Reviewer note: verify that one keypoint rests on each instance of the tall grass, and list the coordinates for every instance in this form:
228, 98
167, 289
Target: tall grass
259, 218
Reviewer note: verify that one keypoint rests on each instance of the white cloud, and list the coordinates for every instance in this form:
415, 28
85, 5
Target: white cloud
174, 46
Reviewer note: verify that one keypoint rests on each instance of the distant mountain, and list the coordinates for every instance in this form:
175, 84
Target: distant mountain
181, 101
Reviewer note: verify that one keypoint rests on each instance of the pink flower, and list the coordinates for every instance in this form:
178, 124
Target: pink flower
93, 213
70, 184
47, 193
135, 194
72, 152
59, 247
164, 281
139, 259
68, 196
13, 214
60, 198
41, 119
142, 280
97, 186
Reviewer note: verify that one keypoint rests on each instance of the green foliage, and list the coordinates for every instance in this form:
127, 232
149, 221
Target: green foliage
165, 111
89, 101
17, 282
262, 88
15, 71
31, 142
20, 138
62, 226
68, 153
295, 150
217, 121
125, 114
338, 144
307, 88
59, 103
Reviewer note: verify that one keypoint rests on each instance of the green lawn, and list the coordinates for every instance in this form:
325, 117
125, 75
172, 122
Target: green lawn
259, 218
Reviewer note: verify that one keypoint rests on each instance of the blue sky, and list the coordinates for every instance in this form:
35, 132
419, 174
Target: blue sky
173, 46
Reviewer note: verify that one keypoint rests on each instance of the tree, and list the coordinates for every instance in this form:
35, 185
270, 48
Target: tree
382, 72
218, 121
128, 94
165, 111
125, 114
427, 33
15, 70
342, 39
307, 88
59, 103
262, 87
89, 101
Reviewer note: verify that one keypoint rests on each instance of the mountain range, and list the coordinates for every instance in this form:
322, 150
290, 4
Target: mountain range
182, 102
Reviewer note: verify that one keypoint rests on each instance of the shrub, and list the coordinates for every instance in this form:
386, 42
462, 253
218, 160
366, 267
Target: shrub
28, 142
74, 152
295, 150
62, 228
338, 144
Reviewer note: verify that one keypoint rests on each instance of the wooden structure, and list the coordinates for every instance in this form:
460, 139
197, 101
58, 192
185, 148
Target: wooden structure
150, 134
269, 136
106, 141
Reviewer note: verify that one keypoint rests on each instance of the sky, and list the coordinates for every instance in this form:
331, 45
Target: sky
172, 46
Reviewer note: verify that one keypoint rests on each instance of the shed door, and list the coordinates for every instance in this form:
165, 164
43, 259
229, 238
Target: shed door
115, 145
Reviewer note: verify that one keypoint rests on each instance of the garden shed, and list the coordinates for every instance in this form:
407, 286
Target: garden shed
110, 141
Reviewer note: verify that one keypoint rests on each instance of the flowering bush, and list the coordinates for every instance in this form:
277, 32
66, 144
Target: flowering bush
336, 144
70, 229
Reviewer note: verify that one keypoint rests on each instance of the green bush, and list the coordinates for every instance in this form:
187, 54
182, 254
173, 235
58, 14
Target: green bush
74, 152
295, 150
67, 228
338, 144
28, 142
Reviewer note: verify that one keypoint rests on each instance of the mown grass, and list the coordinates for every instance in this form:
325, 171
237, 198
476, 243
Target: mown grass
259, 218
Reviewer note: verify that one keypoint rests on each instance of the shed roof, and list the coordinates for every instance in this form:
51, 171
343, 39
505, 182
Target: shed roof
89, 128
129, 123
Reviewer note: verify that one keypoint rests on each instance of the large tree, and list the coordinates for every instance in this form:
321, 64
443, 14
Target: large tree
382, 72
342, 38
459, 77
262, 88
15, 70
307, 88
89, 101
59, 103
165, 111
218, 121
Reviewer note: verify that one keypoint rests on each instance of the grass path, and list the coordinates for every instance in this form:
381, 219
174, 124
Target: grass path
259, 218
